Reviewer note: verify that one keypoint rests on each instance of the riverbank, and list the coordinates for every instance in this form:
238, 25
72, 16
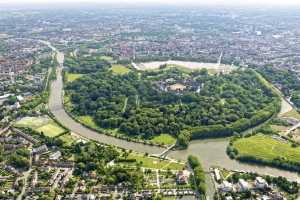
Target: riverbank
211, 152
57, 109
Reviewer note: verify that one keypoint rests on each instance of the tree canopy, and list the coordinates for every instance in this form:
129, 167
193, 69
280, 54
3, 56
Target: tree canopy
170, 100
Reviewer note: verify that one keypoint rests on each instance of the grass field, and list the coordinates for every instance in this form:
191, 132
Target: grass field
120, 69
51, 129
41, 124
266, 148
156, 163
88, 121
165, 139
32, 122
73, 77
106, 58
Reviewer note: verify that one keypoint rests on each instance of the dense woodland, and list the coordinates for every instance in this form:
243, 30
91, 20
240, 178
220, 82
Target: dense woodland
285, 80
140, 104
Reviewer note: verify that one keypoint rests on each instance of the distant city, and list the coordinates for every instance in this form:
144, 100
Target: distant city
149, 103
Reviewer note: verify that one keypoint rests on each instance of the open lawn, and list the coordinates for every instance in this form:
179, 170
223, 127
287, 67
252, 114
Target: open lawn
266, 148
88, 121
106, 58
164, 139
51, 129
32, 122
41, 124
155, 163
120, 69
73, 77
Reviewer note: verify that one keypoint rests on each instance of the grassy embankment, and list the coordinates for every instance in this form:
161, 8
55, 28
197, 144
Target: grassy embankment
264, 149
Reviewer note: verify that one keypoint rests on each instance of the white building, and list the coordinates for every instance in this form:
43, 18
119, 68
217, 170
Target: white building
217, 174
260, 183
226, 186
40, 149
243, 185
55, 156
228, 198
183, 177
20, 98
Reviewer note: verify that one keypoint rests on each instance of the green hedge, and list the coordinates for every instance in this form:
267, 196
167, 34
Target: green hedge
238, 126
199, 175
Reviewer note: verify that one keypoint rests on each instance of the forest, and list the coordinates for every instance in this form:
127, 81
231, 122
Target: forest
286, 80
183, 104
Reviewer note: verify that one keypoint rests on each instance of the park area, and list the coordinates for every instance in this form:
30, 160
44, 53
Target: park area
164, 139
73, 77
120, 69
155, 163
41, 124
267, 148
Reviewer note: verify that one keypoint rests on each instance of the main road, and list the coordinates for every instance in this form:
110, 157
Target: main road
212, 152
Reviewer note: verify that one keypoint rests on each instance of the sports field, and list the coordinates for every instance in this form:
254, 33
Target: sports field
51, 129
41, 124
266, 148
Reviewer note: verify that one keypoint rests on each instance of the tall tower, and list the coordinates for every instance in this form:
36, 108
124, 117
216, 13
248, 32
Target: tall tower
220, 58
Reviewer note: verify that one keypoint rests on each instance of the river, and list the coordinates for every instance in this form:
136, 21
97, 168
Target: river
211, 152
57, 108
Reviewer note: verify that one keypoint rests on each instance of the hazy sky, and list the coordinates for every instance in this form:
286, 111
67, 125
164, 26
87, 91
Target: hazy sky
175, 2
